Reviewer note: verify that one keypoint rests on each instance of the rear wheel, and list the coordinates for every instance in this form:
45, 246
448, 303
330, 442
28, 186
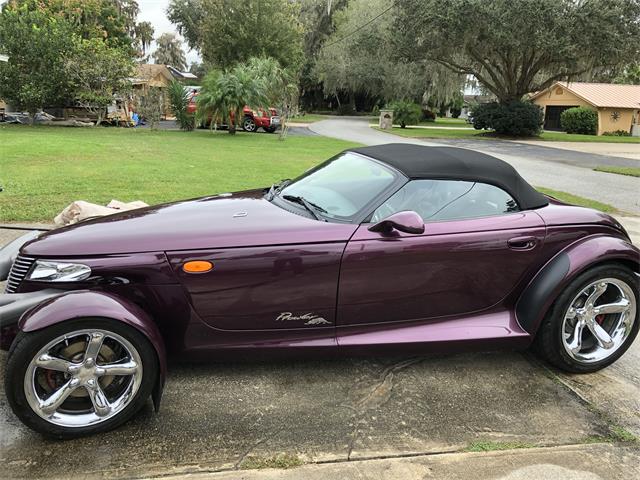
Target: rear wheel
79, 377
249, 125
593, 322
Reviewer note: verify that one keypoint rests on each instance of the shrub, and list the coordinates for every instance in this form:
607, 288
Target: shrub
151, 107
345, 109
405, 113
516, 119
617, 133
427, 115
579, 120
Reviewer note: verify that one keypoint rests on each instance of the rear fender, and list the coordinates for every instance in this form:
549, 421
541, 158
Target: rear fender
545, 287
87, 303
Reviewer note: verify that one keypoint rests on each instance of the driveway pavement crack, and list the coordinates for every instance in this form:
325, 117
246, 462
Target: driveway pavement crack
254, 446
373, 395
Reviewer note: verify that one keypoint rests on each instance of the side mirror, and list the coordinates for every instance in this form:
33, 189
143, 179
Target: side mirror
407, 222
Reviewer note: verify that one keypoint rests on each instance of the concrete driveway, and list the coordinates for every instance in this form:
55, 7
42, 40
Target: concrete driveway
565, 170
359, 418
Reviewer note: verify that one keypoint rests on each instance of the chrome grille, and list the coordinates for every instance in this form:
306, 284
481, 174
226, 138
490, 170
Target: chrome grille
19, 270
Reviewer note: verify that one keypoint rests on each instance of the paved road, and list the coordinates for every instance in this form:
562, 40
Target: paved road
542, 166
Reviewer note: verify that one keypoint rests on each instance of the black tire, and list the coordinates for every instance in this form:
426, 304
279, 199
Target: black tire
27, 344
249, 125
270, 129
548, 342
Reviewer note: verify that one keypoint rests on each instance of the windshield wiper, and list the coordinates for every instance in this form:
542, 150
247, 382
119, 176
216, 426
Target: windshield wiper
276, 187
311, 207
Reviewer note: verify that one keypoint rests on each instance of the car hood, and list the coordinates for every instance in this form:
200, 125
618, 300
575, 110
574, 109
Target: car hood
227, 220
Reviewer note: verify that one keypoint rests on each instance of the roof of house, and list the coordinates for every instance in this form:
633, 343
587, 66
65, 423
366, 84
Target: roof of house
4, 58
148, 71
177, 73
418, 162
601, 94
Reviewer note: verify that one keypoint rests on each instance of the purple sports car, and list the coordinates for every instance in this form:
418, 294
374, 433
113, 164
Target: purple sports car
389, 248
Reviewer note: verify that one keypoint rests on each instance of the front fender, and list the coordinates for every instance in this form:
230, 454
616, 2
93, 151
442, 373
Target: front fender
87, 303
551, 280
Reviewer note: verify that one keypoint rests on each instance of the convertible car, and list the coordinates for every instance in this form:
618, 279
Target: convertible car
392, 248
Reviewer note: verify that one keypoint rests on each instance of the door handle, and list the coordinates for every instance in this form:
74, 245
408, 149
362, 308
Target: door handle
522, 243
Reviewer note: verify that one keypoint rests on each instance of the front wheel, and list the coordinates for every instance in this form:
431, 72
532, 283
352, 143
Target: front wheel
249, 125
270, 129
593, 322
79, 377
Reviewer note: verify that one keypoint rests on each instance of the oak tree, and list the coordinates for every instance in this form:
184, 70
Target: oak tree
514, 47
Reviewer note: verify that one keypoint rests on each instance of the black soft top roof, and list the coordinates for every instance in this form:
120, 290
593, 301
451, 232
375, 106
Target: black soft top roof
416, 162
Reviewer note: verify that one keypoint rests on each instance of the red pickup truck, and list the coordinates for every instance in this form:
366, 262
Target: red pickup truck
269, 119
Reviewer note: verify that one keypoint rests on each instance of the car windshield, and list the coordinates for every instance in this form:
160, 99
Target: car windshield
340, 188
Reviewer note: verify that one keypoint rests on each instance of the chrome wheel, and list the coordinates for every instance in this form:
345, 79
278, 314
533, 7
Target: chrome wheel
83, 378
599, 320
249, 125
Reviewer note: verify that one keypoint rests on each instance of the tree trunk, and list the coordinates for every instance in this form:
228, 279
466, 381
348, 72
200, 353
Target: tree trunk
232, 123
352, 102
507, 98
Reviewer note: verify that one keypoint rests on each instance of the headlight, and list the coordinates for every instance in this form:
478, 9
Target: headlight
44, 271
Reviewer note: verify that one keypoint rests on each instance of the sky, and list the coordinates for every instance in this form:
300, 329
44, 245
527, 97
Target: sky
154, 11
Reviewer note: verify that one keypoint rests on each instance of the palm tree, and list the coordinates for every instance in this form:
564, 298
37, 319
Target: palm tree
224, 95
144, 35
241, 87
179, 100
209, 103
281, 87
169, 51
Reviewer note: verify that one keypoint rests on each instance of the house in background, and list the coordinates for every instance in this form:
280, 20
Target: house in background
618, 106
148, 76
152, 75
470, 100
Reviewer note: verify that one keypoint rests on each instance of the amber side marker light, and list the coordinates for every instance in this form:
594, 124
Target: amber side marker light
197, 266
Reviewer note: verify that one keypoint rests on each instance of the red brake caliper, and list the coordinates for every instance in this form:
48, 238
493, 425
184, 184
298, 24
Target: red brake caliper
50, 375
600, 319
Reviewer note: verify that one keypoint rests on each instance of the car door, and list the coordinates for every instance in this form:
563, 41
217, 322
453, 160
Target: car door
476, 247
283, 287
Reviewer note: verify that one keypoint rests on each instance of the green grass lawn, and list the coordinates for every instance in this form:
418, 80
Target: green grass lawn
309, 118
436, 133
630, 171
448, 122
43, 169
577, 200
485, 135
574, 137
